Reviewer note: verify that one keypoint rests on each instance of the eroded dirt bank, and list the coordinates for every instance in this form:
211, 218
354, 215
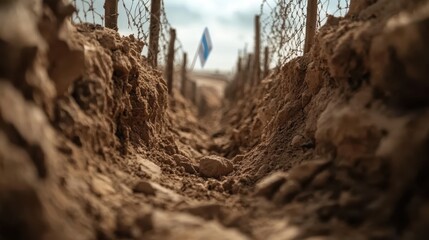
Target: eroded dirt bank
332, 145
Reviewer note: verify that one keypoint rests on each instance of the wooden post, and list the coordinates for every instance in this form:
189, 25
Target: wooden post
154, 28
310, 30
170, 61
238, 83
184, 74
266, 62
257, 58
111, 14
239, 68
194, 92
248, 71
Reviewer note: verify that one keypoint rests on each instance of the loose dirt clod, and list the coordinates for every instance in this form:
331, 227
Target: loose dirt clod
306, 171
269, 185
215, 166
145, 188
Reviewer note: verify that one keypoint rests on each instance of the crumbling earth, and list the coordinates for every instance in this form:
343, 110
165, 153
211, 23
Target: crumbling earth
332, 145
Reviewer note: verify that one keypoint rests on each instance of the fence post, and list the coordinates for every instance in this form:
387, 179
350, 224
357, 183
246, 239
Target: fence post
238, 82
184, 74
111, 14
170, 61
257, 56
310, 30
248, 71
154, 28
194, 92
266, 57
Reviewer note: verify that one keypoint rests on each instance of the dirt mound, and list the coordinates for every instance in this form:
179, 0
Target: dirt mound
354, 102
84, 121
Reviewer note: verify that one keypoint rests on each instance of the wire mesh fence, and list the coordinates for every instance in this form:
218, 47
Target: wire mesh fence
283, 25
133, 18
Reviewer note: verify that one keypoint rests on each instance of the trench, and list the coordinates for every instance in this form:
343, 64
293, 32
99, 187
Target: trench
330, 145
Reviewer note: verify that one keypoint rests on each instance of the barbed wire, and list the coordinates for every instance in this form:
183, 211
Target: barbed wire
165, 39
283, 24
86, 11
136, 13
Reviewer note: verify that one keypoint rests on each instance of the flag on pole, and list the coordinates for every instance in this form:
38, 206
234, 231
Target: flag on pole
205, 47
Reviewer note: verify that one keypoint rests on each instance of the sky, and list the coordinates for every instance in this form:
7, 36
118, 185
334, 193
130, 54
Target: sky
230, 23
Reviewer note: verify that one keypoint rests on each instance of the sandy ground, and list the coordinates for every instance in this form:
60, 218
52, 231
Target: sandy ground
332, 145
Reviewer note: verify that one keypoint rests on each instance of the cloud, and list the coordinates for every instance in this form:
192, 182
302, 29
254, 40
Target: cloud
183, 15
238, 19
230, 24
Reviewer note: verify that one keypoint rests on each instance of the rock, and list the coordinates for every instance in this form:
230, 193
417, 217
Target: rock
263, 170
306, 171
228, 184
297, 141
186, 163
348, 200
238, 158
102, 185
406, 86
215, 166
172, 226
286, 192
208, 211
150, 168
321, 179
165, 194
144, 187
349, 133
269, 185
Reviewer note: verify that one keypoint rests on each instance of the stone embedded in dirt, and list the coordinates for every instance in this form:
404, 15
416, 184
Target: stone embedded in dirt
144, 187
321, 179
269, 185
150, 168
165, 194
286, 192
238, 158
102, 185
348, 132
228, 185
306, 171
208, 211
263, 170
144, 222
186, 163
189, 168
172, 226
297, 141
347, 199
215, 166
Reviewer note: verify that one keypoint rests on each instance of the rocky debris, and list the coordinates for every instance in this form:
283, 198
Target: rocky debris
286, 192
148, 167
321, 179
269, 185
297, 141
306, 171
215, 166
186, 163
102, 185
208, 211
172, 226
406, 86
144, 187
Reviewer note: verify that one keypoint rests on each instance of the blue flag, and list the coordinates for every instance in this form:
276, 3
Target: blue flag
205, 47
